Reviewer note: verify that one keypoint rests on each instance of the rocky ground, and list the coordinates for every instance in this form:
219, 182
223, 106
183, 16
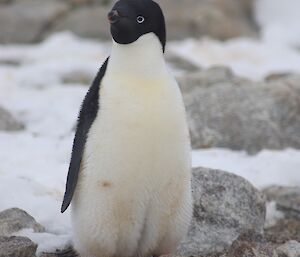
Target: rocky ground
225, 110
229, 221
28, 21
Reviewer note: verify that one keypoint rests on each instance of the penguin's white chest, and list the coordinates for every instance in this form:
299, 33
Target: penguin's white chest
133, 193
140, 134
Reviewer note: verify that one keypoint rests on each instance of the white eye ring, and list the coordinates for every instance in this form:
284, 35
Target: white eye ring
140, 19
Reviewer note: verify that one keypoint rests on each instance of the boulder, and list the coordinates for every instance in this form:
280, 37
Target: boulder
87, 21
8, 122
191, 18
27, 20
287, 200
250, 244
290, 249
5, 1
179, 64
283, 231
78, 77
17, 247
216, 75
215, 18
68, 252
225, 206
227, 111
14, 220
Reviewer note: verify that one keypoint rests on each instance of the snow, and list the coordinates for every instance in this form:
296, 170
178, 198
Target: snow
279, 20
276, 51
272, 215
253, 59
264, 169
34, 162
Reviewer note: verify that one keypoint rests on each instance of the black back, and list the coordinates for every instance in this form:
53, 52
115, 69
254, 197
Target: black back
87, 115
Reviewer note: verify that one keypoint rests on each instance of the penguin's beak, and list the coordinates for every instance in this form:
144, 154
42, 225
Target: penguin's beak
113, 16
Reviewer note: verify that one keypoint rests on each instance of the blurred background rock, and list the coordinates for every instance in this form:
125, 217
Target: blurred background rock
28, 21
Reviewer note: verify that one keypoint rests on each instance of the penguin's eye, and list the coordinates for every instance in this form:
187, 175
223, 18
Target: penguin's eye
140, 19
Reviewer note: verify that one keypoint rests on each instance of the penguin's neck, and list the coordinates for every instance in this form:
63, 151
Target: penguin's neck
143, 58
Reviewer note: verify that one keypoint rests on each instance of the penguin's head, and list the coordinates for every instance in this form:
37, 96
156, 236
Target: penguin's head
131, 19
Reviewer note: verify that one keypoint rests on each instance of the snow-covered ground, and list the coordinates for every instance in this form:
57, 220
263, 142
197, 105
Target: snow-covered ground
276, 51
34, 162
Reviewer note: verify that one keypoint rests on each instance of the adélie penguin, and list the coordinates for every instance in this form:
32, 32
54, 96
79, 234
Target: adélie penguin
129, 175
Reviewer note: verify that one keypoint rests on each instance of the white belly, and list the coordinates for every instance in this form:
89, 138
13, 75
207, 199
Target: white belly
133, 193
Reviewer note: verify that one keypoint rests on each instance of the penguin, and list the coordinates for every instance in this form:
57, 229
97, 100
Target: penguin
129, 178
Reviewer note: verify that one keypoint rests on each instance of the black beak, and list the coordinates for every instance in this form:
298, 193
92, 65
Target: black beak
113, 16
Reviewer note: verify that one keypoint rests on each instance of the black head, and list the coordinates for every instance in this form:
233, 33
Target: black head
130, 19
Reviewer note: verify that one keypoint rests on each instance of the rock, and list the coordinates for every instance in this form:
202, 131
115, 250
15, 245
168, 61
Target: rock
10, 62
277, 76
283, 231
26, 21
251, 244
78, 77
5, 1
8, 122
14, 220
180, 64
87, 21
30, 20
225, 206
17, 247
224, 110
213, 76
68, 252
287, 200
290, 249
89, 2
215, 18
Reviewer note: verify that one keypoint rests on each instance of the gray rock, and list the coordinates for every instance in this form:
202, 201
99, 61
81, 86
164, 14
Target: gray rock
227, 111
27, 20
206, 78
290, 249
8, 122
17, 247
89, 2
225, 206
87, 21
283, 231
180, 64
30, 20
78, 77
10, 62
277, 76
251, 244
68, 252
5, 1
216, 18
287, 200
14, 220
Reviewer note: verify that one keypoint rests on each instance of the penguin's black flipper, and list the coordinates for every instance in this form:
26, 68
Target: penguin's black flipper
87, 115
